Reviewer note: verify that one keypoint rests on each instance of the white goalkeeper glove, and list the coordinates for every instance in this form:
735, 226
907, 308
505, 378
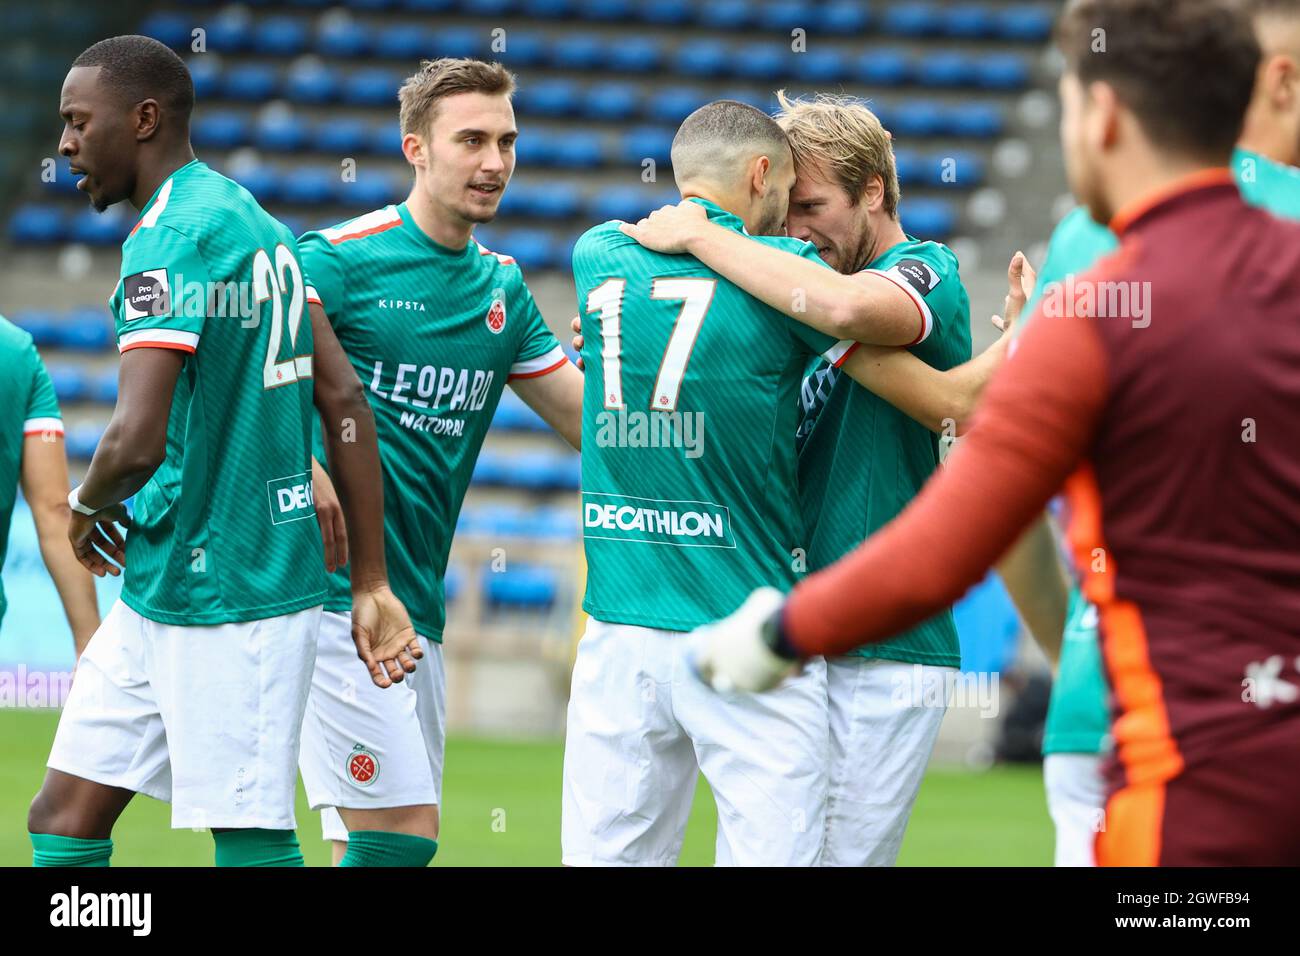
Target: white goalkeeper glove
738, 652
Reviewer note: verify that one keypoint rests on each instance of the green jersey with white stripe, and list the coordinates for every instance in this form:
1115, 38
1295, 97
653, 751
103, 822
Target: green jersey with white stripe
690, 406
27, 407
861, 460
1078, 719
434, 335
225, 529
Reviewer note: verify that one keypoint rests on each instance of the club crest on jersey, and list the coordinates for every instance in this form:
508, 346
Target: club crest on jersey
362, 766
496, 317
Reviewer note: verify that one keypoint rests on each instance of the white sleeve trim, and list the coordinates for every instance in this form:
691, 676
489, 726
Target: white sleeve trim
838, 353
927, 317
35, 426
159, 338
534, 367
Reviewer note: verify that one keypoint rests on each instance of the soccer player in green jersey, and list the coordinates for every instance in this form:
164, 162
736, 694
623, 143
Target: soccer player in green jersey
31, 450
436, 326
1077, 739
193, 689
675, 524
864, 451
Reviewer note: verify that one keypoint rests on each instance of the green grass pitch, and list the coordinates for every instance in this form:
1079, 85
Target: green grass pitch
501, 807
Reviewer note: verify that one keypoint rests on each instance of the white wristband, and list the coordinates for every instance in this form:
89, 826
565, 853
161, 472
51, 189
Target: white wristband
75, 503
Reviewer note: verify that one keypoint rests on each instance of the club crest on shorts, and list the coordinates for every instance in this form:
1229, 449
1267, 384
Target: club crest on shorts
362, 766
496, 317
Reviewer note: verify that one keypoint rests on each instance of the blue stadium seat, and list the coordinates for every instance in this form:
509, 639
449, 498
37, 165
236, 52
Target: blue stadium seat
1026, 23
279, 36
280, 132
579, 51
762, 61
516, 202
536, 147
513, 415
668, 12
917, 118
843, 18
673, 104
946, 69
912, 20
628, 203
80, 441
612, 102
251, 82
205, 72
461, 42
727, 15
928, 218
371, 4
969, 21
491, 468
975, 120
99, 229
548, 9
310, 81
634, 55
172, 29
103, 387
827, 66
71, 383
453, 582
524, 48
606, 11
1006, 71
487, 8
521, 586
221, 129
910, 166
954, 169
403, 42
556, 524
262, 181
41, 325
343, 38
372, 189
311, 186
560, 200
87, 329
343, 136
531, 248
556, 97
702, 58
228, 31
883, 67
424, 6
372, 86
386, 140
782, 16
37, 224
759, 100
646, 142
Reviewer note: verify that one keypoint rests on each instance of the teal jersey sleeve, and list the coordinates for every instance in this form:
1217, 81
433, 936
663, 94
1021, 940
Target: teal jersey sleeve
162, 298
539, 350
927, 272
323, 272
42, 406
1077, 242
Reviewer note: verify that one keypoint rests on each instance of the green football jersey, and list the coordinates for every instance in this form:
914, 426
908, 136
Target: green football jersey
225, 530
27, 407
434, 334
1078, 718
861, 460
689, 495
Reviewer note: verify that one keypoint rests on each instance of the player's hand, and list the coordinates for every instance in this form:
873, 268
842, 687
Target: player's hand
576, 325
736, 653
333, 529
94, 536
1021, 279
669, 229
385, 639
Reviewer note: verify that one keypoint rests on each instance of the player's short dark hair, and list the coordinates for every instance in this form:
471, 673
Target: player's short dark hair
723, 127
141, 68
1186, 68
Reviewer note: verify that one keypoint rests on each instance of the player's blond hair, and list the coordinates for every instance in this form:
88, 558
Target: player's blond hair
840, 134
435, 80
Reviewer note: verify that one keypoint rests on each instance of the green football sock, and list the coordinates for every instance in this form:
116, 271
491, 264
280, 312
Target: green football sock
379, 848
257, 848
49, 849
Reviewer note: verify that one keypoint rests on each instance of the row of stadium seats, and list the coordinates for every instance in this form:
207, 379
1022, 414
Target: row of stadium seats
37, 224
512, 521
234, 29
520, 586
310, 80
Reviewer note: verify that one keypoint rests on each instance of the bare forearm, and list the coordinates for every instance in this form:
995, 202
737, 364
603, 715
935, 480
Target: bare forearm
119, 469
352, 450
1038, 585
75, 585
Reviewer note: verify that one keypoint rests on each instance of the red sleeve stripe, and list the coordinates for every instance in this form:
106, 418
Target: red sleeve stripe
159, 339
837, 357
540, 372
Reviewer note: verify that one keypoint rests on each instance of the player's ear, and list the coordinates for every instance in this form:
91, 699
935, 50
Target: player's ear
873, 193
760, 174
413, 150
147, 117
1102, 115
